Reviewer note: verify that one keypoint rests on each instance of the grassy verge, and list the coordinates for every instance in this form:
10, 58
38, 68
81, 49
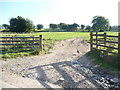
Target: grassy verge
110, 62
24, 53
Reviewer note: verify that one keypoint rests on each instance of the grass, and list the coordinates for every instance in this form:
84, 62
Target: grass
59, 35
49, 38
55, 35
23, 53
110, 62
14, 55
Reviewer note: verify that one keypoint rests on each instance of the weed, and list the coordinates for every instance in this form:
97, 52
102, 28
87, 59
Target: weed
36, 51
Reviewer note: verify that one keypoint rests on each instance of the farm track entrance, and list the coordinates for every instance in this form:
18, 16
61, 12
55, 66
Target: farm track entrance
65, 67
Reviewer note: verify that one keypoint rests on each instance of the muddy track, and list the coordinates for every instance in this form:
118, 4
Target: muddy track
66, 67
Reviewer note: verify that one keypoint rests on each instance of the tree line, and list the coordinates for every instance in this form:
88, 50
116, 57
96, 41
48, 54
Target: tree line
20, 24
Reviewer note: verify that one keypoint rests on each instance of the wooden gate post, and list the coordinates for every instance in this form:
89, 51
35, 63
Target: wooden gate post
91, 41
96, 40
33, 42
13, 37
40, 41
118, 45
105, 39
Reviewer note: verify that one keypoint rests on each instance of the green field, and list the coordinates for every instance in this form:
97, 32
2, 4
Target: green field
49, 38
59, 35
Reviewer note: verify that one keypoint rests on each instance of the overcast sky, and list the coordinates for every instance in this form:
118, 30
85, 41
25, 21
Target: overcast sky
57, 11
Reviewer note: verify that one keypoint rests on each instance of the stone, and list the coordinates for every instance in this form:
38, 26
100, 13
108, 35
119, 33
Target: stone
81, 65
23, 76
2, 70
78, 51
49, 66
107, 78
96, 66
114, 80
112, 86
36, 75
106, 85
69, 59
23, 69
116, 86
102, 79
74, 62
106, 82
88, 65
61, 79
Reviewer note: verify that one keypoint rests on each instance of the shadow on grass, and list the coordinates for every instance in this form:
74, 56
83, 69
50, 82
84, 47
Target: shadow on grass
108, 61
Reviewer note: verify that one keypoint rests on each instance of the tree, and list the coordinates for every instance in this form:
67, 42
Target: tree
88, 28
39, 26
68, 27
82, 26
118, 28
75, 25
114, 28
72, 27
53, 26
5, 26
63, 26
20, 24
100, 23
29, 25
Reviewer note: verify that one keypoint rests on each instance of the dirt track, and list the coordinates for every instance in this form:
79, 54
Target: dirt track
66, 67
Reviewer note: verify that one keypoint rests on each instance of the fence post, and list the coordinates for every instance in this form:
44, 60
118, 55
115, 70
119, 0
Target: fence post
33, 41
96, 40
91, 41
40, 41
119, 45
105, 39
13, 42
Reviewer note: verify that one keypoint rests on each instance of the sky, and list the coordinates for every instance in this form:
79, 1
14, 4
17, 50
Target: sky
59, 11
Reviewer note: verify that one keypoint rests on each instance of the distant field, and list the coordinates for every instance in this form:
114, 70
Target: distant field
60, 35
50, 37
